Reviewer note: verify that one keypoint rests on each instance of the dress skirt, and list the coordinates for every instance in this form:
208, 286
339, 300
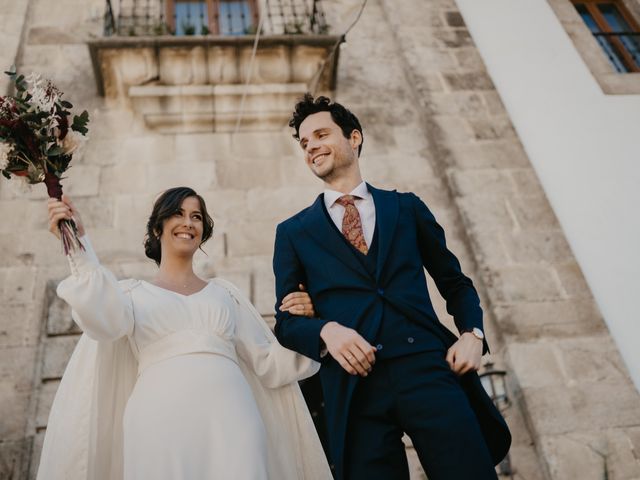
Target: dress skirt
193, 417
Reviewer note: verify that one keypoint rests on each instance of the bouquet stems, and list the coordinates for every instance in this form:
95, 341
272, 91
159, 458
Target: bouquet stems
68, 230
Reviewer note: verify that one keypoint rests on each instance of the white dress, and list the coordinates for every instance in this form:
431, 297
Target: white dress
179, 387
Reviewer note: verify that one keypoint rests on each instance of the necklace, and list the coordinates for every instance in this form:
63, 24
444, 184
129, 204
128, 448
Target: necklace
172, 284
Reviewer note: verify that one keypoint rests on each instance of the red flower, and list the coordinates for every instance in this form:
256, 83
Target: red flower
63, 125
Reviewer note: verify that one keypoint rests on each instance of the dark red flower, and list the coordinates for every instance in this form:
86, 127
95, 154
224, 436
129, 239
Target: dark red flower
63, 124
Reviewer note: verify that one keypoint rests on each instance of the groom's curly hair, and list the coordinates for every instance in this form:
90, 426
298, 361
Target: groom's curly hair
343, 117
166, 205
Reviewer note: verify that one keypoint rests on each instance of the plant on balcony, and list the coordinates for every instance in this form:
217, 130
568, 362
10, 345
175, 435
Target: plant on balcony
161, 29
189, 28
324, 29
295, 27
250, 30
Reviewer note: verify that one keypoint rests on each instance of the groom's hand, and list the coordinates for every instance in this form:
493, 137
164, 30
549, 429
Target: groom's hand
348, 348
465, 354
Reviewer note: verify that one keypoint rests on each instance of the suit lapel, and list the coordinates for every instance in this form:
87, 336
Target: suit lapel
387, 208
317, 225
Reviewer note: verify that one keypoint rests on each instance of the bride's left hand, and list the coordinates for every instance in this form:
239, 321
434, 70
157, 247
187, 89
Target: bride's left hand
298, 303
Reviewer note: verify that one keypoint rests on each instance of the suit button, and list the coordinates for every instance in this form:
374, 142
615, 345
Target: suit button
410, 340
380, 291
379, 346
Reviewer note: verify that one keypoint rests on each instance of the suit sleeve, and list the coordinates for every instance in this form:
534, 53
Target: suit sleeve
298, 333
455, 287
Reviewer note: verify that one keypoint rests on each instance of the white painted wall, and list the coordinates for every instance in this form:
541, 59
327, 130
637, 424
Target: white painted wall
583, 144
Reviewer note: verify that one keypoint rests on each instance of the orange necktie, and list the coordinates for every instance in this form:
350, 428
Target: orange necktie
352, 224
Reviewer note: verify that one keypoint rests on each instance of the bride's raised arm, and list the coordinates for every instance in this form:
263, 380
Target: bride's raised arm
100, 305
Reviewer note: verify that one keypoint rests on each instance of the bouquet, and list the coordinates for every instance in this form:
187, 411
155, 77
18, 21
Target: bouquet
37, 140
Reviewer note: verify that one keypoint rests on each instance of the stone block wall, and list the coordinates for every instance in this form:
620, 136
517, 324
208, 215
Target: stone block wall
571, 388
434, 124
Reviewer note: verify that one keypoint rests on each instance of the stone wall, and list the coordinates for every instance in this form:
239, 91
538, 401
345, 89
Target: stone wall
12, 18
567, 376
434, 124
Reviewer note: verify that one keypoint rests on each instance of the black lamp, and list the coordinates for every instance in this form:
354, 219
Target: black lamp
494, 382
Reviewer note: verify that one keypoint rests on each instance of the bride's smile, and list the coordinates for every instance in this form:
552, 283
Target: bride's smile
182, 231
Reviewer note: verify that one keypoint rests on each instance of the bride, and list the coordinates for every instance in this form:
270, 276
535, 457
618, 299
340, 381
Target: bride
177, 378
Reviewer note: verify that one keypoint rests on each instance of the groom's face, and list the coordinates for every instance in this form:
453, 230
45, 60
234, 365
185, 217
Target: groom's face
327, 152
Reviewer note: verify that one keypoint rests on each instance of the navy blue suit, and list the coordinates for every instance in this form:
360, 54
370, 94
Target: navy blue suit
384, 297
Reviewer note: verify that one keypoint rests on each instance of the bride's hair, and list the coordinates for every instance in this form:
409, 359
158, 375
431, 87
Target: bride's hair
167, 204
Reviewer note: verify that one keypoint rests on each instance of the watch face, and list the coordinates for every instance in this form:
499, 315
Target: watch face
478, 333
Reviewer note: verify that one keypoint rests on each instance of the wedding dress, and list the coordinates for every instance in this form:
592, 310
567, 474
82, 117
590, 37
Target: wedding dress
167, 386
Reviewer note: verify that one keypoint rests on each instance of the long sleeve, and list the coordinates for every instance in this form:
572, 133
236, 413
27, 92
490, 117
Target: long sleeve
274, 365
296, 332
456, 288
100, 305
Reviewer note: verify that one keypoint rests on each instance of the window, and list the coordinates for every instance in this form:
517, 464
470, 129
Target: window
615, 30
218, 17
191, 18
234, 17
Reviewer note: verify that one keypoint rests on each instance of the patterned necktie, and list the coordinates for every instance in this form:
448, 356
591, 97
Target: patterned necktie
352, 224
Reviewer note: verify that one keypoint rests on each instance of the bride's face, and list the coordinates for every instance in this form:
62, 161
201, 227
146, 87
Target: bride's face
182, 232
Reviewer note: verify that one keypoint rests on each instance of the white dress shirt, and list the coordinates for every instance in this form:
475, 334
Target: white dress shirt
364, 204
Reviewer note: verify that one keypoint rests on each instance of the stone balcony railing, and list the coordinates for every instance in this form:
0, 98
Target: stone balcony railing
197, 83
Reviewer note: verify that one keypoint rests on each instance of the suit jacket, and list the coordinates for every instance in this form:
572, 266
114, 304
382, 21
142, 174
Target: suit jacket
309, 250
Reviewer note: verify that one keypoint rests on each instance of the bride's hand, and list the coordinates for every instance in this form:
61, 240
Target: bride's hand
63, 210
298, 303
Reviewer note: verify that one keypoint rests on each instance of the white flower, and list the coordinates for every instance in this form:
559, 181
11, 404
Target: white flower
6, 104
5, 149
44, 94
33, 80
35, 173
72, 142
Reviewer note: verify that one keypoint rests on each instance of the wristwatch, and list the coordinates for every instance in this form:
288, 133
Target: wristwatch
479, 334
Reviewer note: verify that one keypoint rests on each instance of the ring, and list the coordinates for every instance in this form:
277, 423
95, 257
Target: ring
350, 357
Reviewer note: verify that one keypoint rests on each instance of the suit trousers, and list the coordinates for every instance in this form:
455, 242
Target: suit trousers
418, 395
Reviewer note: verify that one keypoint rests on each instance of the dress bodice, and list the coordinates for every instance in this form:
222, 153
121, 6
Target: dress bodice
167, 324
158, 312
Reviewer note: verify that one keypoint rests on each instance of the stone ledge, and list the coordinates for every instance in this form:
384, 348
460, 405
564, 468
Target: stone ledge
195, 84
202, 108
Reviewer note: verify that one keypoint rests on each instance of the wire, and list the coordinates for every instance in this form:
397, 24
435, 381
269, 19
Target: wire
315, 80
313, 84
250, 71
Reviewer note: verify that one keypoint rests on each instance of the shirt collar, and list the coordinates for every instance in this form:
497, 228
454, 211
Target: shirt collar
330, 196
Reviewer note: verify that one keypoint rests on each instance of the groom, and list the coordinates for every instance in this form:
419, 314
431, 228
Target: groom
389, 366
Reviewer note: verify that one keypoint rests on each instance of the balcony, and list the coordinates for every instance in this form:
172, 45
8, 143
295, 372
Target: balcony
190, 67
